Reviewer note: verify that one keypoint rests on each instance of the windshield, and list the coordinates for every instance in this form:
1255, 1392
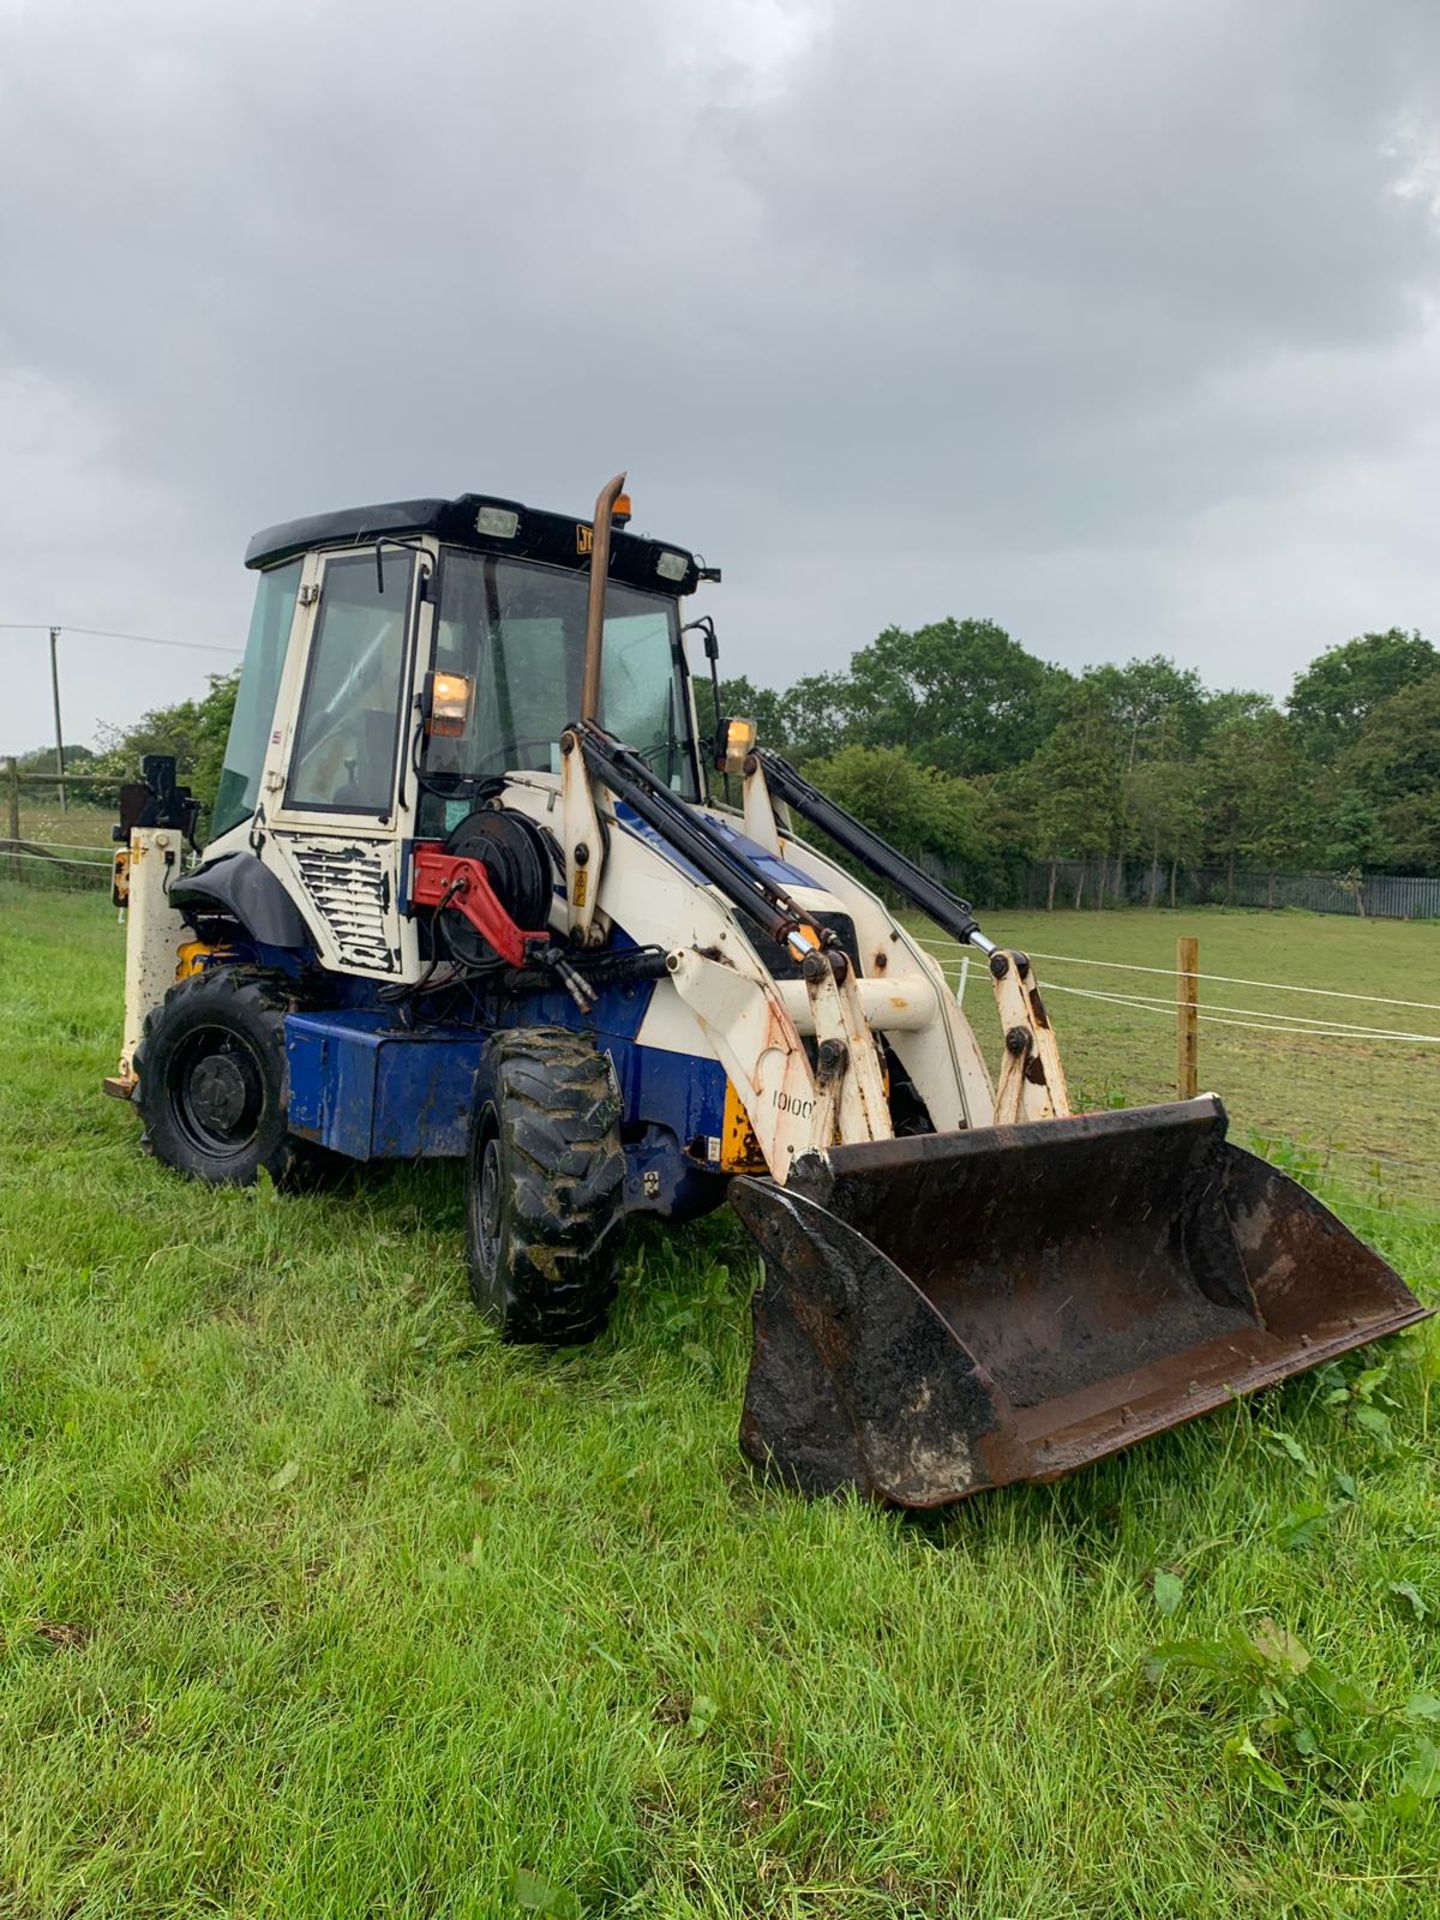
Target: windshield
517, 629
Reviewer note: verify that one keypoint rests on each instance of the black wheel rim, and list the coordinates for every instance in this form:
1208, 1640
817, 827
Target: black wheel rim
486, 1203
217, 1091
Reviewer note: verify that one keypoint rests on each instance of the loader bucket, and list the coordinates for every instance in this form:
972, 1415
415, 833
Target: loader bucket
955, 1311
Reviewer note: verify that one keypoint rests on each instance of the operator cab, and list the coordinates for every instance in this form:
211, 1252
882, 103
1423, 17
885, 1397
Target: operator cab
483, 600
510, 643
402, 660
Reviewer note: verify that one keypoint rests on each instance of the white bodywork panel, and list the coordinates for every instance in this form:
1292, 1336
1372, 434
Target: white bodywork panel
154, 931
345, 889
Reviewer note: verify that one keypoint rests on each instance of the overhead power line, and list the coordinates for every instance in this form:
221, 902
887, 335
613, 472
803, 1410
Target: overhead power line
104, 633
57, 631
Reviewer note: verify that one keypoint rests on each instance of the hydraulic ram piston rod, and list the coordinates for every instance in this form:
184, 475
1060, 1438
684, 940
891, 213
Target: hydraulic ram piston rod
944, 908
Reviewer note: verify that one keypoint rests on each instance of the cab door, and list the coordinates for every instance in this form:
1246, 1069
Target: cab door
337, 776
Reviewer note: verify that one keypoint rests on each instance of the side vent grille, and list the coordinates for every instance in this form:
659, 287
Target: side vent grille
350, 889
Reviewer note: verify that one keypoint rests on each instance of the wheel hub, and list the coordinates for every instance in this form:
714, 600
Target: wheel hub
217, 1091
488, 1223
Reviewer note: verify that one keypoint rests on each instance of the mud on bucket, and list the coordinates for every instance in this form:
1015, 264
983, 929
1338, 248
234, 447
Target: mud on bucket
955, 1311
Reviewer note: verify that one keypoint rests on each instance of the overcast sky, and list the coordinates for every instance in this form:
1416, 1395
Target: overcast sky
1113, 322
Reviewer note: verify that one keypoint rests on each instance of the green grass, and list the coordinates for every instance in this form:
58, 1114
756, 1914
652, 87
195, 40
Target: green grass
78, 834
1368, 1106
43, 819
316, 1601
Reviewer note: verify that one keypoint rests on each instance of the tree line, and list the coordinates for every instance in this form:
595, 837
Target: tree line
956, 742
194, 731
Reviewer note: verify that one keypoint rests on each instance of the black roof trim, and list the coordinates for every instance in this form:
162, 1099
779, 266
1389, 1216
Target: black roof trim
539, 536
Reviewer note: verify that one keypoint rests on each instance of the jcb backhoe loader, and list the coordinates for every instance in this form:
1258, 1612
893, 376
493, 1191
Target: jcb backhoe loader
471, 891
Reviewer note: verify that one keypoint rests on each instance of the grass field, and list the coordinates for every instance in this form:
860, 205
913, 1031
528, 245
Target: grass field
316, 1601
78, 834
1368, 1108
43, 819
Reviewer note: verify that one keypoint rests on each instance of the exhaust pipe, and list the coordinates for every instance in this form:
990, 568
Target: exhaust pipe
595, 607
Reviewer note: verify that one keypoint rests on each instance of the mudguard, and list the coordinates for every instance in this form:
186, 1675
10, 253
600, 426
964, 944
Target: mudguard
242, 886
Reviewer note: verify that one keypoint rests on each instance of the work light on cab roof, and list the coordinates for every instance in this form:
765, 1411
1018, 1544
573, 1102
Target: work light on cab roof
471, 893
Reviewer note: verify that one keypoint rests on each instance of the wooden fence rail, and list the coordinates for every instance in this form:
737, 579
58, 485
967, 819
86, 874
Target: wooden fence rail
26, 858
16, 778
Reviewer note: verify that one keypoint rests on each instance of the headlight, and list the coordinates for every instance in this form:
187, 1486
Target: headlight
447, 704
735, 744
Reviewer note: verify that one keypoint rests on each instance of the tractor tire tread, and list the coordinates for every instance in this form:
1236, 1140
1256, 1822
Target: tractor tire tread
559, 1113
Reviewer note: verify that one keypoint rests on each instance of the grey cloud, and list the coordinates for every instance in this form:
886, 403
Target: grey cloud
1108, 320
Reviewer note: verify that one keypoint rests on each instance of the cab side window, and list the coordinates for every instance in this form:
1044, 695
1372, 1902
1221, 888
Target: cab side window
349, 727
255, 702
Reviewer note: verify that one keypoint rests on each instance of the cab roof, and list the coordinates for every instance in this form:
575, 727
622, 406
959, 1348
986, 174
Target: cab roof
471, 521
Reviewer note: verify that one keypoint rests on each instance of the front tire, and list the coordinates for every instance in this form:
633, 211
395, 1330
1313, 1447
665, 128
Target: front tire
214, 1083
545, 1177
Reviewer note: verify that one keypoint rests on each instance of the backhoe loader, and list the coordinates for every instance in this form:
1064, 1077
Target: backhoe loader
477, 887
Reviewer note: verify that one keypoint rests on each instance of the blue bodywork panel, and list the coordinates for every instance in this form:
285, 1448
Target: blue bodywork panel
373, 1091
779, 872
370, 1089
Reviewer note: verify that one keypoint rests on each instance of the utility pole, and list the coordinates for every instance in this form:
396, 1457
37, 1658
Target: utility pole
59, 736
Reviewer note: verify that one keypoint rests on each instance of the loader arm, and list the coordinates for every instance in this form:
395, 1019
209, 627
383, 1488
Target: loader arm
843, 1097
766, 905
1031, 1084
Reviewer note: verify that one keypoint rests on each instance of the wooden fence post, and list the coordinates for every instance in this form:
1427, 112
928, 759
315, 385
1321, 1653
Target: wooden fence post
13, 810
1187, 1035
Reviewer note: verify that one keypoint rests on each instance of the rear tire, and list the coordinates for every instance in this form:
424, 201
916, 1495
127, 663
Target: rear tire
545, 1179
214, 1084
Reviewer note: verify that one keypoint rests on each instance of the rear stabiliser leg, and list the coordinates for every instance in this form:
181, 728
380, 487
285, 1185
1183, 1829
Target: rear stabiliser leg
154, 933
